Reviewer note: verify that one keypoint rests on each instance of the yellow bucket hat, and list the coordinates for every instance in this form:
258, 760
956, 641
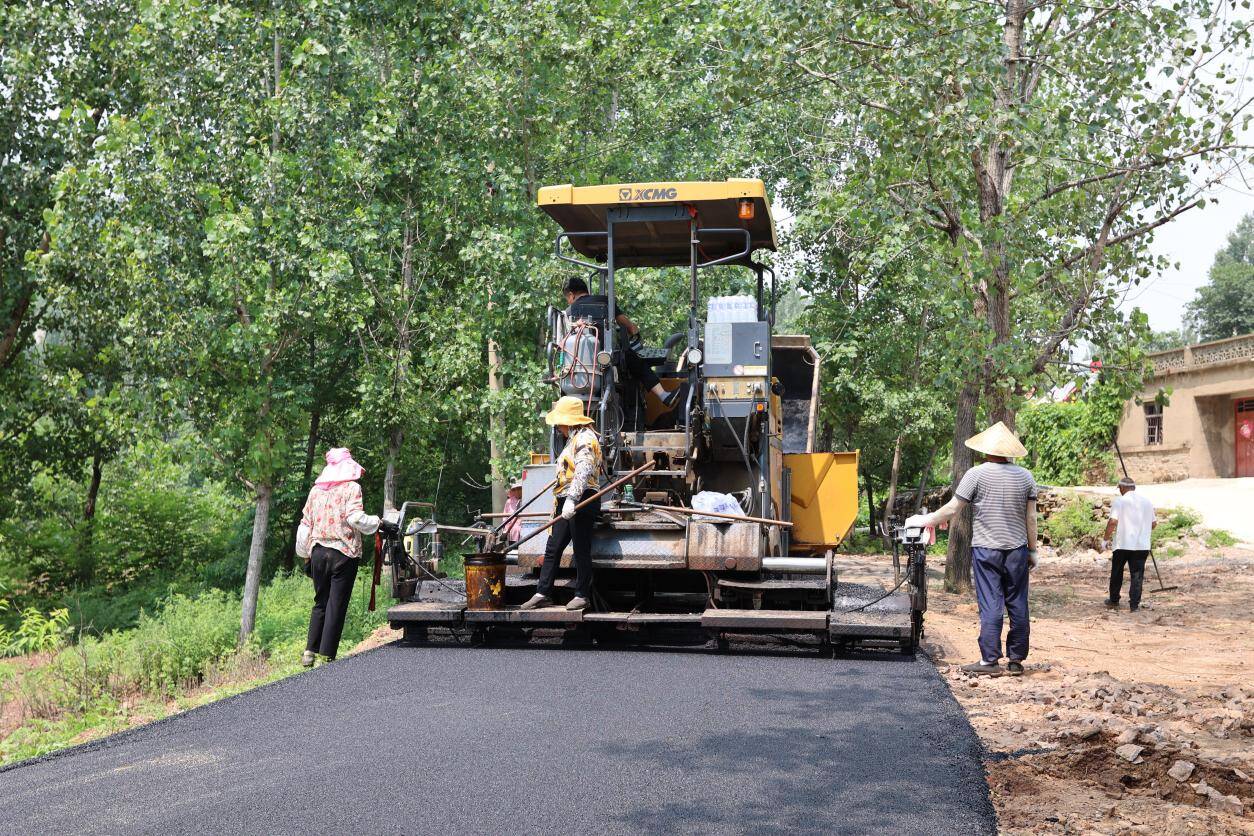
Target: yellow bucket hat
997, 440
567, 412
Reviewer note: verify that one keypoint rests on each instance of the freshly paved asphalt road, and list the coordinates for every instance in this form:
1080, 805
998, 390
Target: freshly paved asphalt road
479, 740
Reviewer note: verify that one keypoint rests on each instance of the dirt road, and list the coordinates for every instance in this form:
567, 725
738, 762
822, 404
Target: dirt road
1124, 722
477, 740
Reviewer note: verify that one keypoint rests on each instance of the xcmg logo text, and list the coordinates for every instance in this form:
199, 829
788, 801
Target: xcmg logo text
648, 194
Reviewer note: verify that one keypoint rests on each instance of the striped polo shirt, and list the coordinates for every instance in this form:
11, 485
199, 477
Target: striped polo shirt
999, 494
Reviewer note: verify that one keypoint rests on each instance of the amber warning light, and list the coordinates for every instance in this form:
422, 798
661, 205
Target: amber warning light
746, 209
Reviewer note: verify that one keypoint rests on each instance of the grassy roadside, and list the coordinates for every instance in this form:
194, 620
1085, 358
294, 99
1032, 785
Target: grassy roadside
179, 657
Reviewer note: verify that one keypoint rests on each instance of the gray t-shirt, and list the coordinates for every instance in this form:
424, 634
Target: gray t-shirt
999, 494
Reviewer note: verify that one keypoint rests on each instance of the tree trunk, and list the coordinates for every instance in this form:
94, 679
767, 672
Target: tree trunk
256, 551
86, 557
311, 449
892, 493
496, 429
395, 437
870, 504
400, 367
958, 557
927, 471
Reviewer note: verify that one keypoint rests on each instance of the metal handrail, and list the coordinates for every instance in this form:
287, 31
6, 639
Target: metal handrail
557, 247
729, 258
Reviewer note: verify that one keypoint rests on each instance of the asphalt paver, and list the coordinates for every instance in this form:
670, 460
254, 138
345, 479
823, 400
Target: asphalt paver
526, 740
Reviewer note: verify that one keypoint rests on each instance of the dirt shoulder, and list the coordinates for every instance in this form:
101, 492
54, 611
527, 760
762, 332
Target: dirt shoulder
1123, 722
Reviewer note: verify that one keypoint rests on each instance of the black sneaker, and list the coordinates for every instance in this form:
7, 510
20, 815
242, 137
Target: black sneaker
1014, 668
983, 669
1111, 605
1134, 608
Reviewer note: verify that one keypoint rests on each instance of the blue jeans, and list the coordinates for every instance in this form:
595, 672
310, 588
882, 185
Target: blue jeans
1001, 586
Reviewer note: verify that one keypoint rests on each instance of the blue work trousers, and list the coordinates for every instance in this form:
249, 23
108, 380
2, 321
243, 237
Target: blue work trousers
1001, 586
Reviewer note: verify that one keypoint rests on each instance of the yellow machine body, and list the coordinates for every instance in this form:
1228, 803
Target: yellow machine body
824, 498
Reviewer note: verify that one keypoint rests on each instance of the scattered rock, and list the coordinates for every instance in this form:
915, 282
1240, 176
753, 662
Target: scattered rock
1216, 800
1089, 733
1127, 736
1181, 770
1130, 752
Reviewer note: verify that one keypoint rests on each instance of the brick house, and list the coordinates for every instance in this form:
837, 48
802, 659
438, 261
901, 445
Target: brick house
1207, 429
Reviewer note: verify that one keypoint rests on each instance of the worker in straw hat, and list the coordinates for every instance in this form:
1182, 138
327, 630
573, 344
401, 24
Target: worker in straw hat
1003, 543
576, 481
329, 541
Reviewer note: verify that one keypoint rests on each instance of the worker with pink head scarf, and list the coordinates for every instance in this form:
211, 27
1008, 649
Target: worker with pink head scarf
329, 540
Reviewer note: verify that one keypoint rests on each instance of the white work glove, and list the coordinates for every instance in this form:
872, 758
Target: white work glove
1105, 546
1033, 560
568, 509
918, 521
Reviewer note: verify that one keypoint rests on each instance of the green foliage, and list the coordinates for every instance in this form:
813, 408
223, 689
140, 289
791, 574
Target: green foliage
1072, 524
1224, 306
176, 646
1069, 442
1167, 340
1174, 524
39, 632
1218, 538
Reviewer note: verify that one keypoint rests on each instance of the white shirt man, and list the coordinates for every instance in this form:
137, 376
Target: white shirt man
1131, 521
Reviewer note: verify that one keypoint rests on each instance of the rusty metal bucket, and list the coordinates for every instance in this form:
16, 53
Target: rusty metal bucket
485, 581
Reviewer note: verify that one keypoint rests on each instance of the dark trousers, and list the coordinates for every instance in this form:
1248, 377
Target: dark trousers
1001, 586
1135, 561
639, 369
333, 575
576, 532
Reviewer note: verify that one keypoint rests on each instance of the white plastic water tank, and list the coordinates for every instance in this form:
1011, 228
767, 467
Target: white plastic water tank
732, 309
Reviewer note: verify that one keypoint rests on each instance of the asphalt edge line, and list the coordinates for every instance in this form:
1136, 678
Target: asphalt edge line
120, 737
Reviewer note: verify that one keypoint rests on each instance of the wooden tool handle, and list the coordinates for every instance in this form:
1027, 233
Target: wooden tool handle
611, 486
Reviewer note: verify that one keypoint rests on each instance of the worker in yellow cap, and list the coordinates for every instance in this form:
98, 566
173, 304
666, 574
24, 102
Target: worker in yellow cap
576, 481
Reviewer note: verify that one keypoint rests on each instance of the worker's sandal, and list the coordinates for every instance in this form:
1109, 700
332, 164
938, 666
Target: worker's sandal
577, 603
535, 601
1014, 668
307, 659
983, 668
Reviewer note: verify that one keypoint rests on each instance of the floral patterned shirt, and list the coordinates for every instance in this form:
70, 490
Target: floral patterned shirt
578, 464
334, 516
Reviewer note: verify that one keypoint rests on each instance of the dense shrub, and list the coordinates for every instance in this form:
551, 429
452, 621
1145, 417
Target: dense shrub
1069, 443
158, 520
175, 646
1071, 525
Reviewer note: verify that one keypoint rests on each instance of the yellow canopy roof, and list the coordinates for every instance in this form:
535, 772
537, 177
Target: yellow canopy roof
660, 244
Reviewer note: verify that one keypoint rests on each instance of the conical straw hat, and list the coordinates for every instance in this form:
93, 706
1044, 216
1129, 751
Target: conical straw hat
997, 440
567, 412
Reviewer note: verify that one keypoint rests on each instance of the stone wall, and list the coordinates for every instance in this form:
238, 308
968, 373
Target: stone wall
1161, 464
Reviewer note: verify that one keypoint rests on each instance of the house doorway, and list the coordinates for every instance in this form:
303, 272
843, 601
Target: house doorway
1245, 437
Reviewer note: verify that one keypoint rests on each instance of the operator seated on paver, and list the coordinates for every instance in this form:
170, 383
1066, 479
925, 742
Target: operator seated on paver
576, 481
1003, 543
580, 304
1131, 521
329, 541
